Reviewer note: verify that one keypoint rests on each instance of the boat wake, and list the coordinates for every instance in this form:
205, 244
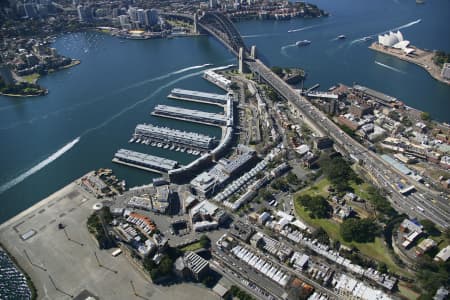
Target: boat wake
39, 166
363, 39
101, 98
190, 68
250, 36
302, 28
284, 48
389, 67
143, 100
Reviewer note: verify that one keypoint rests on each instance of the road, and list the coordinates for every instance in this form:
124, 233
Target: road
373, 164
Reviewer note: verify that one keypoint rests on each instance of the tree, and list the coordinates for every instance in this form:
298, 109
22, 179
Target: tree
425, 116
277, 70
292, 178
205, 242
322, 236
317, 206
359, 230
430, 227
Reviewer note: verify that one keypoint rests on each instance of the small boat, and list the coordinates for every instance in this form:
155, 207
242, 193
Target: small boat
159, 145
183, 150
189, 151
302, 43
177, 149
147, 142
153, 144
138, 141
341, 37
143, 141
366, 38
131, 140
166, 146
172, 147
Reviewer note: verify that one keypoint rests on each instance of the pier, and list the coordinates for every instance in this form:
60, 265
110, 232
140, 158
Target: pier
174, 137
190, 115
144, 161
202, 97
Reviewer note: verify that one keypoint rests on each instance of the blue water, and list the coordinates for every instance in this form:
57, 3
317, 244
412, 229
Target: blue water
118, 83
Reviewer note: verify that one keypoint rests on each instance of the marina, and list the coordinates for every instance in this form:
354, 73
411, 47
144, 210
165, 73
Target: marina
202, 97
144, 161
168, 138
190, 115
13, 285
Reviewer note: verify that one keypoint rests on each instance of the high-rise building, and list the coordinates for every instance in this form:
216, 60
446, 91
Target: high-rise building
30, 10
141, 17
151, 17
82, 17
124, 21
132, 12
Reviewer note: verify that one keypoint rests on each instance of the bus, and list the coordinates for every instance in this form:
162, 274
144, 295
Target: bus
116, 252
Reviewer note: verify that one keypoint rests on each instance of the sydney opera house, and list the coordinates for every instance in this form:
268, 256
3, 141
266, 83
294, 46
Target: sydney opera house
395, 40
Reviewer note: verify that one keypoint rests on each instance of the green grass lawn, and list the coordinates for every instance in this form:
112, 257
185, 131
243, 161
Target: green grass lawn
191, 247
407, 292
32, 78
376, 250
319, 188
361, 189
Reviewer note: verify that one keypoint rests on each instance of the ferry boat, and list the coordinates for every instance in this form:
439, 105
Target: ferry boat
341, 37
302, 43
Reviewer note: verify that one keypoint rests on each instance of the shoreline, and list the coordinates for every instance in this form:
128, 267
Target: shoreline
425, 61
45, 92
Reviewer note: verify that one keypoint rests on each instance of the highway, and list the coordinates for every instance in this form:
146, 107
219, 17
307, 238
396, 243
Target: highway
417, 204
423, 204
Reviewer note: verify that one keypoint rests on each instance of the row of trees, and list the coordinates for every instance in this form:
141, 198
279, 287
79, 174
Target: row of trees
338, 172
317, 206
359, 230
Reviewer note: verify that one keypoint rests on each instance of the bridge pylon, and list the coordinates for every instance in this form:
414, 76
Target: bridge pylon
195, 23
241, 60
253, 52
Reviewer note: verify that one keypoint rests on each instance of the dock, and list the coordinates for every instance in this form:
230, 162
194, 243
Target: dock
419, 57
174, 137
202, 97
190, 115
144, 161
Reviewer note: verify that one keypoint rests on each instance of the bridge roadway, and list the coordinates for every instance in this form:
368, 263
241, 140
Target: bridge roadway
372, 163
425, 204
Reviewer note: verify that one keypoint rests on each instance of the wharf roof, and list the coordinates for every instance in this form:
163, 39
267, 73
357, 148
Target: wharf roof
190, 112
183, 92
146, 159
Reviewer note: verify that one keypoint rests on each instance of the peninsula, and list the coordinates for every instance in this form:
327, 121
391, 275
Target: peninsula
420, 57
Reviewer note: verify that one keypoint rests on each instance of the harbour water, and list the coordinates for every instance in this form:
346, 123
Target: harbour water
93, 108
